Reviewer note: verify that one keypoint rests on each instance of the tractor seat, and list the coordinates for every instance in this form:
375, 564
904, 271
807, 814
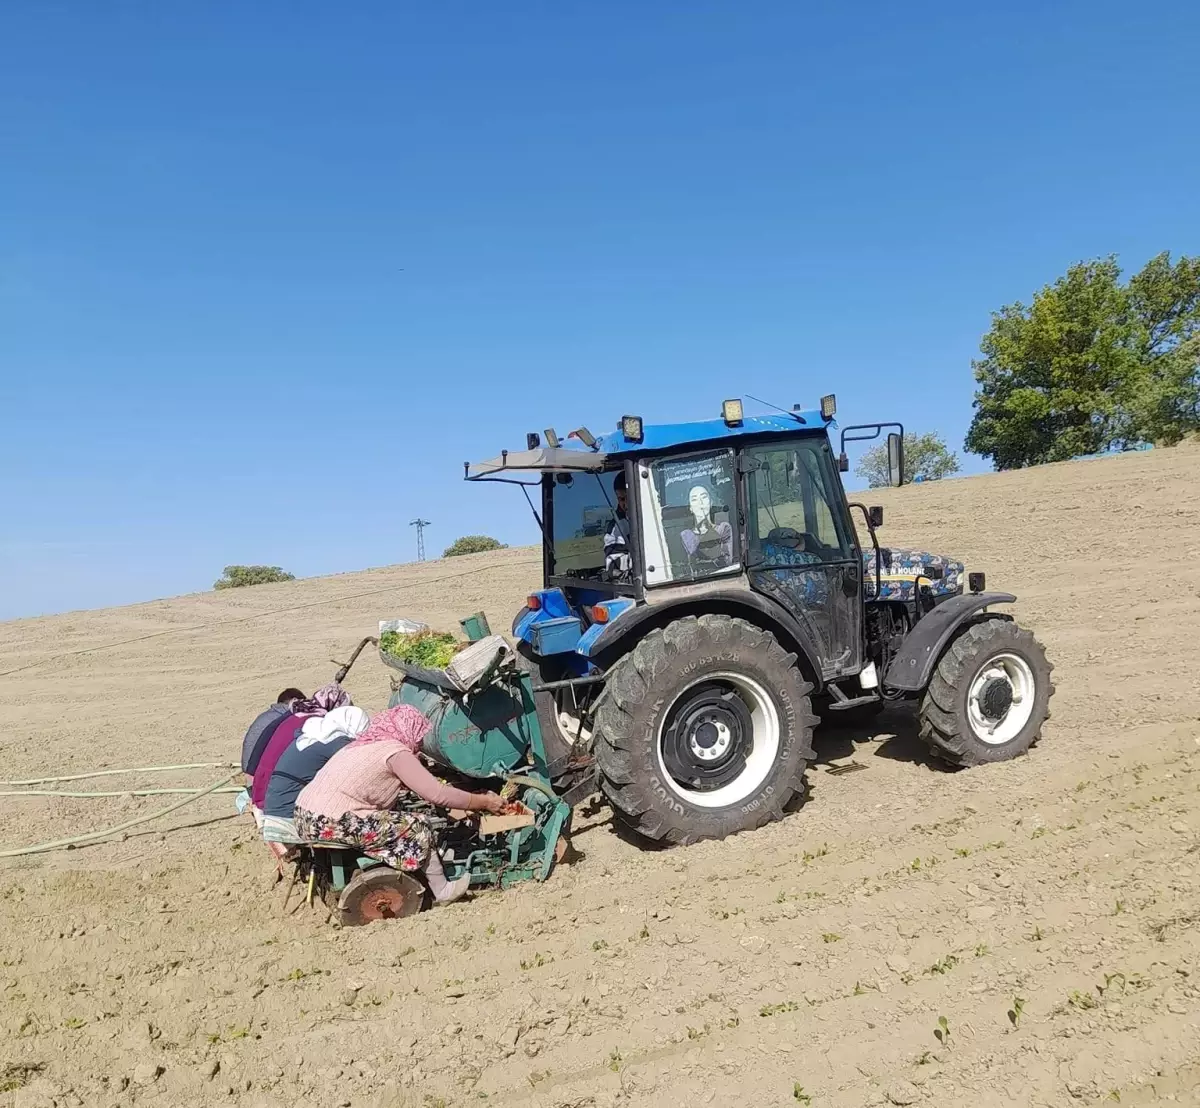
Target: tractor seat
785, 546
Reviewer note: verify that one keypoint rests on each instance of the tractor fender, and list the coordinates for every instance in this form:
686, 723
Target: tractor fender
623, 634
912, 667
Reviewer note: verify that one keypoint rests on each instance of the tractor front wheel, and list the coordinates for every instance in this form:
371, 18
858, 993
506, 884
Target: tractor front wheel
705, 730
989, 696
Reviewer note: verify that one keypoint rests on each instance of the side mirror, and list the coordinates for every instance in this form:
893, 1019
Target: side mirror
895, 455
843, 463
875, 516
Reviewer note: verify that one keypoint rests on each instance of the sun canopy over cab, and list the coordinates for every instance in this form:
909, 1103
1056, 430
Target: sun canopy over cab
544, 459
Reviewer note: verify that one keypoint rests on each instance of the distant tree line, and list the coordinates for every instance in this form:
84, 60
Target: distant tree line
472, 544
1092, 364
236, 577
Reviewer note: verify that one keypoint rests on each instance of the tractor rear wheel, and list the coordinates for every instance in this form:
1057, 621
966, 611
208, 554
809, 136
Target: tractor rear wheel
705, 730
989, 696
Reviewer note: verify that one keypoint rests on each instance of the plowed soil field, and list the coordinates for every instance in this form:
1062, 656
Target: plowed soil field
1040, 915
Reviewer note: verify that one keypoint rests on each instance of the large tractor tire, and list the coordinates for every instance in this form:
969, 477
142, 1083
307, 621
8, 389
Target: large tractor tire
989, 696
704, 730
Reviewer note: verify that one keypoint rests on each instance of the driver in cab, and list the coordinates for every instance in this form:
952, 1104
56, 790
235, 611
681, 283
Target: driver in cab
617, 561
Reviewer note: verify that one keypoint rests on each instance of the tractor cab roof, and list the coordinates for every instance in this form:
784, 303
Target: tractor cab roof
574, 456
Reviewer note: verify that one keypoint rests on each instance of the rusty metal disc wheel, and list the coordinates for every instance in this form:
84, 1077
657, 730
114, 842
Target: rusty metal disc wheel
380, 893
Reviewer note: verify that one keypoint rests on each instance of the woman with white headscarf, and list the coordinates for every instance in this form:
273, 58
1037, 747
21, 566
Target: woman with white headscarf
319, 739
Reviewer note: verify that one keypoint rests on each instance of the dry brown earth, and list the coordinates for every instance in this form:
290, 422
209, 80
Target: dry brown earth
811, 959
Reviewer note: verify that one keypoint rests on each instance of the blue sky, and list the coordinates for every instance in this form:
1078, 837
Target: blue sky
269, 273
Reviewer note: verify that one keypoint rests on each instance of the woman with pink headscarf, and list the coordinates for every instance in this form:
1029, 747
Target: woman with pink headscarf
358, 798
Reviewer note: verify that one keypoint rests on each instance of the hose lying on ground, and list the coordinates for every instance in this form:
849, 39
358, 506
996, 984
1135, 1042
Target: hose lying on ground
123, 792
98, 836
114, 772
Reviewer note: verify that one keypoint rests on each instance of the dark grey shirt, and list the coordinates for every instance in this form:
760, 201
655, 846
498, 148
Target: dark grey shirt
259, 734
296, 767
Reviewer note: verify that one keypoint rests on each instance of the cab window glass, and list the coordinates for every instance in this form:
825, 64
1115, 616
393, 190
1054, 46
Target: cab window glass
794, 504
688, 517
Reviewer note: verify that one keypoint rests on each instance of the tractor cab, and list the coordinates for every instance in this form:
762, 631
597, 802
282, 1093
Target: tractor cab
740, 510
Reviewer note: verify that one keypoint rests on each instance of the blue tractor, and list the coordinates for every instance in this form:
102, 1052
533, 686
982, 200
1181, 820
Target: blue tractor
679, 648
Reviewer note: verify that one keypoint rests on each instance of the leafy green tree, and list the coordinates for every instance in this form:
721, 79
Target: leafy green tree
472, 544
1091, 364
926, 457
237, 577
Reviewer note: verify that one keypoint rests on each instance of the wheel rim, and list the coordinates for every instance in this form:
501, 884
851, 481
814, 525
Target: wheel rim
719, 740
386, 903
379, 893
571, 728
1000, 699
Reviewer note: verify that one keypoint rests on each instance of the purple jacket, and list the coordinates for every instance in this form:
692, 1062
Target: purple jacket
285, 734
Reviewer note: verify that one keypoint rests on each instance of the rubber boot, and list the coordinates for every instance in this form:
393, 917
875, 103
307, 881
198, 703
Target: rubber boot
444, 891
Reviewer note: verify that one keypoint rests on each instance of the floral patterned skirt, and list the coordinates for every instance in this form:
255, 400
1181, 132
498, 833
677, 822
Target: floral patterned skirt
401, 839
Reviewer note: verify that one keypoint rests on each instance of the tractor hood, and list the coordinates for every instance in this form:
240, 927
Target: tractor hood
901, 568
545, 459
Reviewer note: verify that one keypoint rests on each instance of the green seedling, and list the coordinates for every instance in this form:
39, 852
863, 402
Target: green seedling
799, 1095
599, 944
1036, 935
74, 1023
536, 962
775, 1009
614, 1061
831, 937
982, 950
962, 852
1082, 1001
943, 965
1109, 978
1038, 832
1014, 1013
1118, 907
942, 1031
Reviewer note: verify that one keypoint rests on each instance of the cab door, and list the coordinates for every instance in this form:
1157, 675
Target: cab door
801, 548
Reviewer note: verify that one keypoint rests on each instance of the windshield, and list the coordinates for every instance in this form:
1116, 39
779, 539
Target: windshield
582, 511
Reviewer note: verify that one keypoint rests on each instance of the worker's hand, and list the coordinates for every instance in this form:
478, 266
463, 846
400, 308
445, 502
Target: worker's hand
492, 803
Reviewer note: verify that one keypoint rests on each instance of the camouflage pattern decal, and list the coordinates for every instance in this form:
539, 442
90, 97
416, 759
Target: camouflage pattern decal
898, 579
